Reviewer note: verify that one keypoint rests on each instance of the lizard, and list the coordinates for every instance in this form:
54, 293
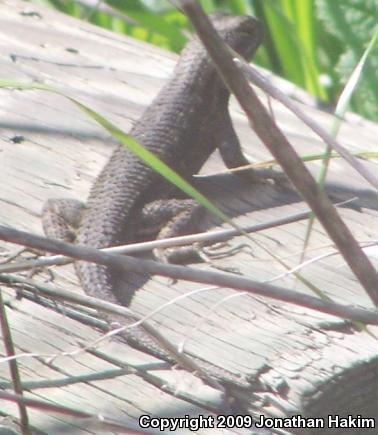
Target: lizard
185, 123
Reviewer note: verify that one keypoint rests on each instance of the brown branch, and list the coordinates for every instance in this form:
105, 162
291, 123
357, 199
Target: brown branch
205, 237
263, 83
13, 367
128, 264
282, 150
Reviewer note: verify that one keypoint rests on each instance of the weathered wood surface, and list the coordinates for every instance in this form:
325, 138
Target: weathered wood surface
298, 361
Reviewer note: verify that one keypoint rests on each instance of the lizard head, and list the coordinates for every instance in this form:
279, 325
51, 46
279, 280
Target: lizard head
242, 33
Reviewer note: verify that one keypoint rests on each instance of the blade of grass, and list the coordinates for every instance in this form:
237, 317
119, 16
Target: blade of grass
146, 156
341, 108
363, 155
305, 23
292, 30
151, 160
286, 48
155, 163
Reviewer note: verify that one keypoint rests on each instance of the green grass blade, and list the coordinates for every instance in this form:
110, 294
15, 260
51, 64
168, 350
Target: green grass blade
151, 160
146, 156
341, 108
155, 163
286, 48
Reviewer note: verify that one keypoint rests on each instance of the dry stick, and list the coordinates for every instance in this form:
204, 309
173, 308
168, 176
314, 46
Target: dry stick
130, 264
142, 370
209, 236
52, 246
111, 374
71, 380
263, 83
282, 150
15, 375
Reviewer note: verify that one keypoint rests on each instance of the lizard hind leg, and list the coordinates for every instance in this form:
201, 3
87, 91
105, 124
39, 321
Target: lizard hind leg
61, 218
172, 218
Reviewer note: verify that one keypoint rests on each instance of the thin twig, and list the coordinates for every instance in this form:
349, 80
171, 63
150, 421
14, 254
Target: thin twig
263, 83
128, 264
183, 360
132, 248
71, 380
13, 367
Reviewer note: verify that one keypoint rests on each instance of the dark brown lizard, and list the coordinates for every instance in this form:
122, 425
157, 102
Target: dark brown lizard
185, 123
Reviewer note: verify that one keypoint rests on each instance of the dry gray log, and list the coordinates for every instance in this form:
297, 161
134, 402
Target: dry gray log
298, 361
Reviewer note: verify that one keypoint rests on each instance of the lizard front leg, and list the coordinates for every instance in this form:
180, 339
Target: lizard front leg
232, 155
229, 146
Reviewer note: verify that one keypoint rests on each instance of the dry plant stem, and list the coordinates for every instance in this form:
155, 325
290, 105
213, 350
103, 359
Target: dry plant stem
208, 236
98, 420
68, 296
264, 84
15, 375
282, 150
111, 374
182, 359
70, 380
146, 372
205, 237
128, 264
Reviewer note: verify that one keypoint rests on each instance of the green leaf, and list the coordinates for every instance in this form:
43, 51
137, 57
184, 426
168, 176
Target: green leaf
151, 160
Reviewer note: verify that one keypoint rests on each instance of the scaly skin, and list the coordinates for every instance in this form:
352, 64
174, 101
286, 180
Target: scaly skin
185, 123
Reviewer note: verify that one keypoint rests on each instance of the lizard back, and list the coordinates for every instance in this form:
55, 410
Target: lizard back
178, 127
